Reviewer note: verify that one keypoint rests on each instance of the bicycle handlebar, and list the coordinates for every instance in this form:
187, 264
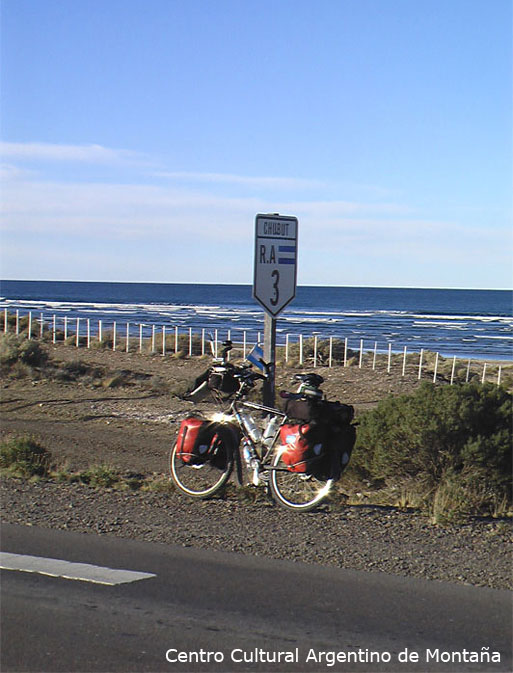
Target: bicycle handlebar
246, 373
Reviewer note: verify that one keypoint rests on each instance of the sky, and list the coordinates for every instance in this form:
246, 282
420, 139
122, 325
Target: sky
140, 138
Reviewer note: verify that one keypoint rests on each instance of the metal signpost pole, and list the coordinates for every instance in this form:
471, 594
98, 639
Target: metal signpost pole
274, 283
269, 356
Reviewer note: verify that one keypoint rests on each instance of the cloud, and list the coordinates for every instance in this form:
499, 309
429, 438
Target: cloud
244, 180
138, 210
166, 213
11, 172
95, 154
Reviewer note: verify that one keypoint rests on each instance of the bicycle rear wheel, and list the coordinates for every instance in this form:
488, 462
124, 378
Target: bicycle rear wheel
297, 491
206, 478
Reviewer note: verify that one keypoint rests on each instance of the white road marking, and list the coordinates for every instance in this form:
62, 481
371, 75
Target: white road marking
83, 572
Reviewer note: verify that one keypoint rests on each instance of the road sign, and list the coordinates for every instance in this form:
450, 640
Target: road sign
275, 270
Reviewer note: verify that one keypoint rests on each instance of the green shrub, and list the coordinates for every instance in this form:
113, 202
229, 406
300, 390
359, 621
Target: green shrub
457, 435
72, 370
24, 457
100, 475
14, 349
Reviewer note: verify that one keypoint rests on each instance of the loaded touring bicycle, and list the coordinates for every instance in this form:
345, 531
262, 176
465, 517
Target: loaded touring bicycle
297, 453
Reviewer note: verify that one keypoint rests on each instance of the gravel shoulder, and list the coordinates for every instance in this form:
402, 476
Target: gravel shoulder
365, 538
129, 425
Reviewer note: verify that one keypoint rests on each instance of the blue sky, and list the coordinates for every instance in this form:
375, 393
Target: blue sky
141, 137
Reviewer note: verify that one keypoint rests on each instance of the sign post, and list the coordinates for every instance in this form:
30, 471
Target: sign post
274, 281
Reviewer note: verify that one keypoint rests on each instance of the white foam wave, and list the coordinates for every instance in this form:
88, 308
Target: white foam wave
493, 336
440, 323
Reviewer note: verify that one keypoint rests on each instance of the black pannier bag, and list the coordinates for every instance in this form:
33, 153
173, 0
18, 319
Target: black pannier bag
321, 411
211, 379
341, 442
199, 389
336, 418
335, 413
223, 381
299, 409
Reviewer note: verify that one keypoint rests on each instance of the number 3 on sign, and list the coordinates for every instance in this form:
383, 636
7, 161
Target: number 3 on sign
276, 275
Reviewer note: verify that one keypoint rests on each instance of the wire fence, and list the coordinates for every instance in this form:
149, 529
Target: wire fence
293, 350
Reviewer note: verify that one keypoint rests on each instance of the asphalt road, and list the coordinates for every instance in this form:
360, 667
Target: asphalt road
244, 611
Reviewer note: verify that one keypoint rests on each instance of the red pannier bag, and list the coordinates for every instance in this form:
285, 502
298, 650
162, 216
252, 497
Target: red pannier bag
299, 452
189, 444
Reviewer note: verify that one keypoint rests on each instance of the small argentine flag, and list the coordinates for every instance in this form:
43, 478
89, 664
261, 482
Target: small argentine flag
255, 357
286, 254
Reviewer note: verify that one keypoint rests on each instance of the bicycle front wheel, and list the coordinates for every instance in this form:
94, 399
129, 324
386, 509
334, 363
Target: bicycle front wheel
297, 491
207, 478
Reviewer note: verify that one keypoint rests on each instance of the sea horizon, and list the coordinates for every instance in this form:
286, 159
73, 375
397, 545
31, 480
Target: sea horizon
250, 284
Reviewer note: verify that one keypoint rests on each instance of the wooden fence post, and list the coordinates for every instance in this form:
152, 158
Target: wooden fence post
436, 368
420, 363
453, 369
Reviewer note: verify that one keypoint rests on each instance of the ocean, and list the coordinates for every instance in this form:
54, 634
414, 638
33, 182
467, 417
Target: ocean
473, 324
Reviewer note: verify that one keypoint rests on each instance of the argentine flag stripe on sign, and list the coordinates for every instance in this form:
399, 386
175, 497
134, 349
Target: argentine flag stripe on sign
287, 249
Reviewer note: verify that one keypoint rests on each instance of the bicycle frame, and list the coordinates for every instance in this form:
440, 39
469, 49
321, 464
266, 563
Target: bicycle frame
263, 451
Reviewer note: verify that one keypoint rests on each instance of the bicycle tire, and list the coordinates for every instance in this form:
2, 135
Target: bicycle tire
208, 478
297, 491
